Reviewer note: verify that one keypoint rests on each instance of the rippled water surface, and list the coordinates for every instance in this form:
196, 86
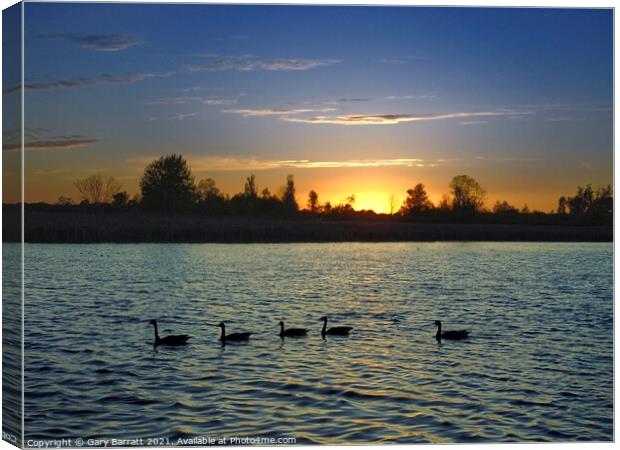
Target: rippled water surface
538, 365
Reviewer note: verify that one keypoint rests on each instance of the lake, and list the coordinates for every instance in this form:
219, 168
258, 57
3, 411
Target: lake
537, 367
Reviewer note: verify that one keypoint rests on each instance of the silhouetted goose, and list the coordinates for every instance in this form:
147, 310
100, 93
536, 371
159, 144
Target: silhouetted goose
334, 331
291, 332
454, 335
178, 339
235, 337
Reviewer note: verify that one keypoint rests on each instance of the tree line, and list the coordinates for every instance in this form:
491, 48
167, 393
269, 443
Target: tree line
168, 185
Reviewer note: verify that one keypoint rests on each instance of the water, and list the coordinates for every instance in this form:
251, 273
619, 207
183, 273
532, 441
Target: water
538, 367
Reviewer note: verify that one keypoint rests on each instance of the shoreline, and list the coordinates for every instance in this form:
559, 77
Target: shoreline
84, 228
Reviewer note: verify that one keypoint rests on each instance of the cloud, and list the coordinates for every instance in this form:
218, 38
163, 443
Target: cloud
274, 111
179, 116
353, 100
39, 139
228, 163
410, 97
307, 164
182, 116
98, 42
104, 79
473, 122
392, 119
564, 119
249, 63
211, 101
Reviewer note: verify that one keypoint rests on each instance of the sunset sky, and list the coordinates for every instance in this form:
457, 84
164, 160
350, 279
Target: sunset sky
351, 100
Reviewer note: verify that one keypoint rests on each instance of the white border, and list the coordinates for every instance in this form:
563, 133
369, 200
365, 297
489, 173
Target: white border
478, 3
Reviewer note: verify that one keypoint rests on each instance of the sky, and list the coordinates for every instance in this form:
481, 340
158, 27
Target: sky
351, 100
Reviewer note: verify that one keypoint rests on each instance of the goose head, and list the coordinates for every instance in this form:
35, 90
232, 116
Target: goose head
221, 325
438, 323
323, 319
153, 322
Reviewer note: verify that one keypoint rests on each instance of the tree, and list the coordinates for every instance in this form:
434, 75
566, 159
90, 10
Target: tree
288, 198
504, 208
467, 194
64, 201
265, 193
97, 188
313, 201
168, 184
120, 198
444, 203
343, 208
587, 202
417, 201
393, 204
250, 187
562, 205
207, 190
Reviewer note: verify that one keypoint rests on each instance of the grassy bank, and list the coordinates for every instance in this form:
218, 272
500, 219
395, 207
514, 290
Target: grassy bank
78, 227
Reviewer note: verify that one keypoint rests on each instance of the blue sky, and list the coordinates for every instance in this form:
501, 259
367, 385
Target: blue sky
363, 100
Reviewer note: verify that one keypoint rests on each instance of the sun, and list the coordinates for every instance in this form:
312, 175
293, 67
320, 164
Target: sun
379, 202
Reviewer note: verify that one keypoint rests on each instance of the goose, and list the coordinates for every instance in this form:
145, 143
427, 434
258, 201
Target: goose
235, 337
178, 339
291, 332
334, 331
454, 335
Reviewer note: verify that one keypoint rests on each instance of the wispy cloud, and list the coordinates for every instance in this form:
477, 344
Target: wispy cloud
564, 119
249, 63
98, 42
247, 163
40, 139
275, 111
307, 164
388, 97
179, 116
353, 100
411, 97
104, 79
473, 122
393, 119
184, 100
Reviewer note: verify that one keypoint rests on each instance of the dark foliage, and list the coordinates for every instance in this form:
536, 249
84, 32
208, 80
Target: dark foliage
168, 184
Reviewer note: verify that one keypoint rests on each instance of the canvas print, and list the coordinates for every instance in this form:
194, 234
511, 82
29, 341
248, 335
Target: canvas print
285, 225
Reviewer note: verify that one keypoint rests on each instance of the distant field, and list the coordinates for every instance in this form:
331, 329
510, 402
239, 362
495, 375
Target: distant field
77, 227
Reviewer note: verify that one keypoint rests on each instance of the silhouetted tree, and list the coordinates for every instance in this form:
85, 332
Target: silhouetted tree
393, 204
168, 184
525, 209
504, 208
97, 188
64, 201
288, 198
120, 198
207, 190
467, 194
597, 205
265, 193
250, 187
417, 201
344, 208
444, 203
562, 205
602, 206
313, 201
